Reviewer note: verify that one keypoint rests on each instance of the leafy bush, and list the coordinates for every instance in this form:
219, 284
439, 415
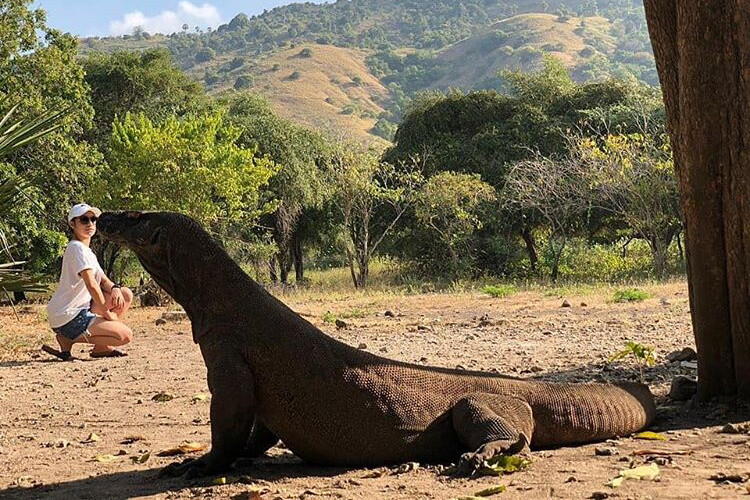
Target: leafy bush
630, 295
294, 76
500, 291
243, 82
205, 55
305, 53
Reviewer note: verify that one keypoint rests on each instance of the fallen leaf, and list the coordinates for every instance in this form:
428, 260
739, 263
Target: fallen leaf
199, 397
653, 436
488, 492
162, 397
644, 472
505, 464
105, 459
183, 449
93, 438
141, 459
219, 481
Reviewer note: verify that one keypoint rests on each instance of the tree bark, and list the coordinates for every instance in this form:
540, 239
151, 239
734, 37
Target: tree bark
703, 57
528, 239
298, 257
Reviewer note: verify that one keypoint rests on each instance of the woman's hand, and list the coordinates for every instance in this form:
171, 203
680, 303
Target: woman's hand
118, 301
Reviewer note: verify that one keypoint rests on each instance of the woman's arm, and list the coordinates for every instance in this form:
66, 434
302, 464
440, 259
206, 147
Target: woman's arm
97, 295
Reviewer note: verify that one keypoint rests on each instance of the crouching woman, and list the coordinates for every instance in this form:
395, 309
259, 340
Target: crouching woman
87, 307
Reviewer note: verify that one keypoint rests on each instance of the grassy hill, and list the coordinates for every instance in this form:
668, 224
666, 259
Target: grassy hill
353, 65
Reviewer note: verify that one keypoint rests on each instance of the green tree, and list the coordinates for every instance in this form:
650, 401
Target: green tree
450, 204
15, 135
137, 82
39, 71
191, 165
300, 155
365, 187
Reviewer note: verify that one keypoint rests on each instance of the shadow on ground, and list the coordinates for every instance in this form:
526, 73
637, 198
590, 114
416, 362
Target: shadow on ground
125, 485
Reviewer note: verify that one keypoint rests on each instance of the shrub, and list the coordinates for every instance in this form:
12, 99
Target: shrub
294, 76
243, 82
630, 295
500, 291
305, 53
205, 55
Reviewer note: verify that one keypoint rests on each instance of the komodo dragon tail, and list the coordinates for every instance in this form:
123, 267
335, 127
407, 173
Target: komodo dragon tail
572, 414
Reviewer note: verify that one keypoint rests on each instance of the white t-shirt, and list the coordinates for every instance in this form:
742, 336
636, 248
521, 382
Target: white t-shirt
71, 295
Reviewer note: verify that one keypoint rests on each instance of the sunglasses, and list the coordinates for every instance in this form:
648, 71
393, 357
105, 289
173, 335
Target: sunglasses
85, 219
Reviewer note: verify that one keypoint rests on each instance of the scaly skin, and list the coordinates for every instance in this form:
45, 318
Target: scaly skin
275, 374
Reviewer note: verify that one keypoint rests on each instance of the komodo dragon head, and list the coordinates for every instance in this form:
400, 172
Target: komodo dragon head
164, 243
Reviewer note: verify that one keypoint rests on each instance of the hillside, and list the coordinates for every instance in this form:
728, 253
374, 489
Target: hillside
367, 58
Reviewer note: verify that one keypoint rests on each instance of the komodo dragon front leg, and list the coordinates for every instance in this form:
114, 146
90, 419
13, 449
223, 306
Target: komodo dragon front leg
260, 441
231, 384
491, 425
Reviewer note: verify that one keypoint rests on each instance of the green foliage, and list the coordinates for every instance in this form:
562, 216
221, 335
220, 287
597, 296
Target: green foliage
137, 82
156, 166
39, 72
15, 135
329, 317
500, 291
630, 295
643, 355
450, 204
305, 53
243, 82
205, 55
296, 75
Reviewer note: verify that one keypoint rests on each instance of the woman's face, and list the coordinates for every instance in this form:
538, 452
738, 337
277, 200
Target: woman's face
84, 227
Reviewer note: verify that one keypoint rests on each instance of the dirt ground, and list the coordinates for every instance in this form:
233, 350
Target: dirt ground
50, 409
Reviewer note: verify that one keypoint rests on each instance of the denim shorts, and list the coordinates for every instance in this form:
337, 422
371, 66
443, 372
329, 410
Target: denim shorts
76, 326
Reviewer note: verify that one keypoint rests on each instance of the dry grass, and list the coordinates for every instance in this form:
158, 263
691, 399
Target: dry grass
470, 65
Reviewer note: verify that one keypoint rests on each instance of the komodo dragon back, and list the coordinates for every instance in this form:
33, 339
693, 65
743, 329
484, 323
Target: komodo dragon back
272, 375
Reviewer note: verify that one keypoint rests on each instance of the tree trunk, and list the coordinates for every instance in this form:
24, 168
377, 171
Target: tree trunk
298, 257
703, 56
528, 239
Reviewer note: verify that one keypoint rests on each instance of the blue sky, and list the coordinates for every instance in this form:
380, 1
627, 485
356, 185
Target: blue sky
108, 17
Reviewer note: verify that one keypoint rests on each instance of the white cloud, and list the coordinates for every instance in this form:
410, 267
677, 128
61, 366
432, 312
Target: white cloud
168, 21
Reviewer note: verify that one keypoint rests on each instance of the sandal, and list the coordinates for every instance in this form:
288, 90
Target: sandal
62, 355
114, 353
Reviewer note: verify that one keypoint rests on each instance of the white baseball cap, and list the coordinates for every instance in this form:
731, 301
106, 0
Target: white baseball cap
81, 209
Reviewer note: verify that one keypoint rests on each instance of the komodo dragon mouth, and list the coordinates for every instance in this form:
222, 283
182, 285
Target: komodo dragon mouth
273, 375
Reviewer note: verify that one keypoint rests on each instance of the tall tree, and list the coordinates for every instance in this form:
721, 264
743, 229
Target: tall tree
702, 53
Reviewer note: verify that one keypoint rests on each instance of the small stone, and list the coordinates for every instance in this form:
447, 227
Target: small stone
662, 460
407, 467
605, 452
547, 332
174, 315
389, 314
683, 388
423, 328
566, 303
665, 302
536, 369
383, 349
583, 304
686, 354
341, 325
160, 322
423, 360
362, 346
599, 495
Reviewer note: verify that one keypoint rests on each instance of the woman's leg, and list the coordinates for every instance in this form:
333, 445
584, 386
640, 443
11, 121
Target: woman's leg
127, 295
105, 335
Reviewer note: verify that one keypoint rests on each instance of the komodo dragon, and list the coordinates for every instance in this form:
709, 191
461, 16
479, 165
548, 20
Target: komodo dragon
271, 371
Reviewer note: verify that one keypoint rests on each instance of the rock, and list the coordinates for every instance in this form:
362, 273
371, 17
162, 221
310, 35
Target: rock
583, 304
423, 360
665, 302
547, 332
407, 467
536, 369
599, 495
389, 314
383, 349
605, 452
341, 325
174, 315
692, 365
683, 388
423, 328
362, 346
160, 322
687, 354
736, 429
566, 303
